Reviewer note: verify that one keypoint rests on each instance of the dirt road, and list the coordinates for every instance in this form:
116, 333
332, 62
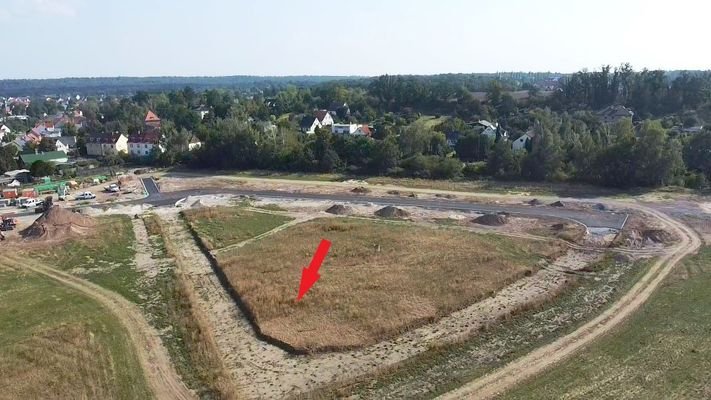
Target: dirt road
155, 361
497, 382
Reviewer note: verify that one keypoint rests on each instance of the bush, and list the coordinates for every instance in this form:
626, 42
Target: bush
696, 180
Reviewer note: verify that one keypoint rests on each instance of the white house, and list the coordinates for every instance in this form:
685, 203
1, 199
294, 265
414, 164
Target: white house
492, 130
66, 144
344, 129
106, 145
4, 130
194, 143
143, 144
522, 142
324, 117
310, 124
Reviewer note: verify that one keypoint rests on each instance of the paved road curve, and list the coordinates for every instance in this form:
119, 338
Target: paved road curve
591, 218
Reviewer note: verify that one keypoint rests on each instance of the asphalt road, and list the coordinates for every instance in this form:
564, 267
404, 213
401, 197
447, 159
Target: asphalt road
591, 218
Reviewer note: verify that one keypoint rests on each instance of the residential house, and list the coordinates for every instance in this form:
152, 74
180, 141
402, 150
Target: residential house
143, 144
324, 117
351, 129
203, 111
522, 142
309, 124
105, 145
493, 131
614, 114
452, 138
4, 131
32, 137
339, 109
344, 129
152, 120
66, 144
47, 129
18, 144
56, 157
194, 143
363, 130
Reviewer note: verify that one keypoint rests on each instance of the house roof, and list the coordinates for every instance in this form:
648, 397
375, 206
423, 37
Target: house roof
69, 141
321, 115
151, 117
28, 159
194, 140
487, 124
152, 136
307, 122
366, 130
104, 139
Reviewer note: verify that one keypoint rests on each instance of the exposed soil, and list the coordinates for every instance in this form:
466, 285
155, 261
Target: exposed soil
361, 190
58, 223
340, 209
492, 220
535, 202
392, 212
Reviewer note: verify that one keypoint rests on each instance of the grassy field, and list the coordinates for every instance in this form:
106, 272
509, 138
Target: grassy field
663, 352
56, 343
445, 368
106, 257
220, 227
378, 280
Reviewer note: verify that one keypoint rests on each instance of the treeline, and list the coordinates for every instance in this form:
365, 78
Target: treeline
563, 149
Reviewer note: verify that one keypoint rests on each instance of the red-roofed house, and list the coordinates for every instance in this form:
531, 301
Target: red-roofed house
143, 144
152, 120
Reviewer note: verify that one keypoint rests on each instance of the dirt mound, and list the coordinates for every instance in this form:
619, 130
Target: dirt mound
658, 236
57, 223
600, 207
558, 227
535, 202
360, 190
557, 204
339, 209
492, 220
392, 212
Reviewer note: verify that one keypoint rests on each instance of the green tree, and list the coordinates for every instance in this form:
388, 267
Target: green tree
697, 153
41, 168
7, 159
502, 162
657, 160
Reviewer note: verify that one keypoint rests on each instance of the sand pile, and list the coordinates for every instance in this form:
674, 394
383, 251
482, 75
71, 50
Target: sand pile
392, 212
557, 204
57, 223
339, 209
492, 220
535, 202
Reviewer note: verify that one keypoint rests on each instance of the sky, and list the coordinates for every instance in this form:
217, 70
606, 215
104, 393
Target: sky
89, 38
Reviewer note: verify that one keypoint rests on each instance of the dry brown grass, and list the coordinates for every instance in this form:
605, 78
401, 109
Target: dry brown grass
378, 280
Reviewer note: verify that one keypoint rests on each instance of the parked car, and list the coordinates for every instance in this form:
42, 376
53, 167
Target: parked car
31, 203
85, 196
112, 188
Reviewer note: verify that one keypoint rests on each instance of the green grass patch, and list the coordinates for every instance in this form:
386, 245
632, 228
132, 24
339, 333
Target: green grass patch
220, 227
57, 343
662, 352
105, 258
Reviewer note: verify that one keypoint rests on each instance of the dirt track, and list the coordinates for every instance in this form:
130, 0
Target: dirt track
162, 378
526, 367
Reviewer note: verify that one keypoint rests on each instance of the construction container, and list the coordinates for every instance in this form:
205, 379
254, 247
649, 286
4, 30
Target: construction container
9, 193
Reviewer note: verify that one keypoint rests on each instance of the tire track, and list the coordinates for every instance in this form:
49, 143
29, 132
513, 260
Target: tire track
526, 367
162, 378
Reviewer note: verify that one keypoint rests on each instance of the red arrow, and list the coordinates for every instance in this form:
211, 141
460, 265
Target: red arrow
310, 275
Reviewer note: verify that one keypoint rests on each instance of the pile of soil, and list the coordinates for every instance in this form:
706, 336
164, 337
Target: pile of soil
339, 209
557, 204
492, 220
392, 212
558, 227
600, 207
360, 190
535, 202
58, 223
658, 236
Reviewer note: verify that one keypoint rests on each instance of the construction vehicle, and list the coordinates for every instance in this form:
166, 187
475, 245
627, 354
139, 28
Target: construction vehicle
44, 206
62, 192
7, 223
